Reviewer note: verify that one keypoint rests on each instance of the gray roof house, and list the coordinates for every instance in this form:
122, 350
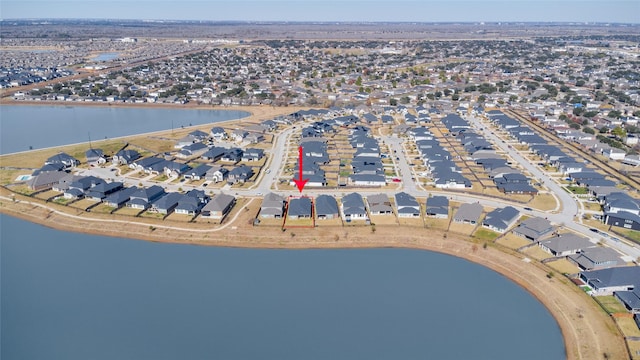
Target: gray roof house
565, 244
218, 207
95, 156
379, 204
353, 207
533, 228
299, 208
241, 174
197, 173
46, 180
407, 205
218, 133
166, 204
468, 213
438, 207
65, 159
125, 157
596, 258
119, 198
501, 219
143, 198
192, 202
607, 281
272, 206
326, 207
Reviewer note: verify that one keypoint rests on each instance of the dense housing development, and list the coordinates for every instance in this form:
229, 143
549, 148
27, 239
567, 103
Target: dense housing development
526, 144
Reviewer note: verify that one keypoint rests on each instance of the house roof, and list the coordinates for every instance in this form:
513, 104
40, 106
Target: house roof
501, 218
219, 202
597, 256
567, 242
121, 196
534, 227
167, 201
468, 212
405, 200
299, 207
613, 277
326, 205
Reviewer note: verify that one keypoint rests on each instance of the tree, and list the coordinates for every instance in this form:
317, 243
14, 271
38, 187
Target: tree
574, 126
404, 100
588, 130
359, 81
619, 132
614, 114
393, 102
577, 111
603, 130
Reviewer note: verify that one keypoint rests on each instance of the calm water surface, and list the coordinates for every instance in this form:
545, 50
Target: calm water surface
38, 127
74, 296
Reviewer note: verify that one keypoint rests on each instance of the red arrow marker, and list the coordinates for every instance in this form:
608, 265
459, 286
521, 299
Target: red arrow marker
300, 182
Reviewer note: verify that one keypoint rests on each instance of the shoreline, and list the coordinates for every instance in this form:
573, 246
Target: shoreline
587, 331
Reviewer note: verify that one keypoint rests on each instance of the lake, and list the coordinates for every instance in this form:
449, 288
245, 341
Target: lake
39, 127
75, 296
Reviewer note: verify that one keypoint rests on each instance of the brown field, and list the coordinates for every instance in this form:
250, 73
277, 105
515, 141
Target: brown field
543, 202
564, 266
384, 219
463, 229
628, 326
436, 224
537, 253
513, 241
634, 348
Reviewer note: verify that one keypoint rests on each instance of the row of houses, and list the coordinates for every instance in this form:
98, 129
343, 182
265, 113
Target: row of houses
438, 161
353, 206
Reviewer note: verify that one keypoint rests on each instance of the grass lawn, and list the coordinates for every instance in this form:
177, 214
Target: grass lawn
578, 190
628, 326
632, 235
543, 202
537, 253
634, 347
611, 304
513, 241
564, 266
485, 234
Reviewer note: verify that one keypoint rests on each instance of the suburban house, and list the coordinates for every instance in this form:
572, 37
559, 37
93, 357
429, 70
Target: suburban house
233, 155
120, 198
192, 150
533, 228
102, 190
622, 210
218, 133
353, 207
64, 159
407, 205
501, 219
143, 198
125, 157
379, 204
607, 281
95, 157
299, 208
192, 202
217, 174
166, 204
197, 173
367, 180
468, 213
272, 206
438, 207
565, 244
218, 207
326, 207
240, 175
175, 169
252, 155
214, 153
597, 257
46, 180
239, 134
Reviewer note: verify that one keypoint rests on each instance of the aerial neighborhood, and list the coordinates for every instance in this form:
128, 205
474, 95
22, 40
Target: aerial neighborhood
536, 153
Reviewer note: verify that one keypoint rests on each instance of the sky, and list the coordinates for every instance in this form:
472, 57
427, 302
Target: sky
613, 11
